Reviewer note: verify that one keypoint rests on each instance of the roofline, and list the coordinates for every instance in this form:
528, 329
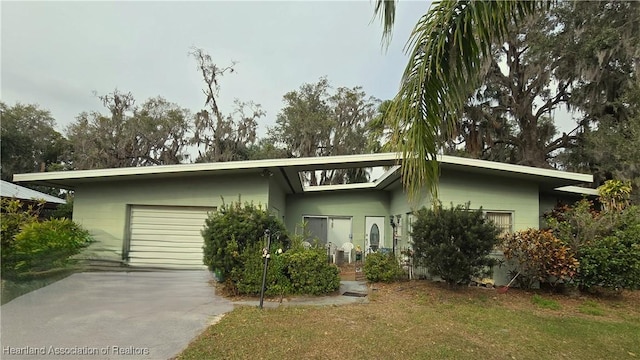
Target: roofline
454, 160
308, 162
301, 164
578, 190
37, 194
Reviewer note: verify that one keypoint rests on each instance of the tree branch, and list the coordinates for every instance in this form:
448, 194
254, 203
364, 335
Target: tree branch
551, 103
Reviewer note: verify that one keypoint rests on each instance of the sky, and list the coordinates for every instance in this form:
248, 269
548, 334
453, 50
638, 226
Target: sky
60, 54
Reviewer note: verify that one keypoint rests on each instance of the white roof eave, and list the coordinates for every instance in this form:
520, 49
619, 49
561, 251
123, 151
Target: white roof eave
578, 190
295, 165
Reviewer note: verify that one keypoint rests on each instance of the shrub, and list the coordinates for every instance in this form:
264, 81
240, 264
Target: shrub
250, 279
42, 246
14, 217
615, 194
297, 271
540, 256
234, 239
579, 224
64, 210
310, 273
606, 242
454, 243
612, 262
232, 230
380, 267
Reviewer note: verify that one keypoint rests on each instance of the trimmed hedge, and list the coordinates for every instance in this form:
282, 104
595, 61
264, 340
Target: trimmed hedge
379, 267
296, 271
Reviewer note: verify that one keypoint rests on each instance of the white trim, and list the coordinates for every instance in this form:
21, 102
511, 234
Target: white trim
454, 160
295, 162
578, 190
367, 185
303, 164
308, 162
388, 173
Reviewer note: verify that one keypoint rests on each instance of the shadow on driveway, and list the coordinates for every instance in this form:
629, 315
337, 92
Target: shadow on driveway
137, 315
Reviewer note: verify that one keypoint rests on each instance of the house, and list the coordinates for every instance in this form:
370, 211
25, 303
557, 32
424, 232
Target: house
28, 196
152, 216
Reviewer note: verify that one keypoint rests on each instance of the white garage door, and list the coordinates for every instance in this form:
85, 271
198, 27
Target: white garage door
167, 237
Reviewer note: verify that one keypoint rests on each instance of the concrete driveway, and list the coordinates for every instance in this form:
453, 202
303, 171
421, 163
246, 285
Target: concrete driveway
138, 315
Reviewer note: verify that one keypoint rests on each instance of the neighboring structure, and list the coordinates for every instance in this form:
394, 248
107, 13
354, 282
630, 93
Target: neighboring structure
152, 216
28, 196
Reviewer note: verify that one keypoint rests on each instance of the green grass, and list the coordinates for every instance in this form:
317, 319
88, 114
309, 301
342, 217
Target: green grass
591, 307
545, 303
421, 320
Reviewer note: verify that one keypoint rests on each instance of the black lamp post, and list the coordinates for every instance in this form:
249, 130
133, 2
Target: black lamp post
393, 227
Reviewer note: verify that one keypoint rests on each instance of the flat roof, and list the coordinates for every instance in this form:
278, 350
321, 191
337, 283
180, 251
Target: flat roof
10, 190
287, 171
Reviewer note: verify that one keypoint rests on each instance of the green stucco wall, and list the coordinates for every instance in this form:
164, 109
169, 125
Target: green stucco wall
400, 205
277, 199
493, 194
101, 207
356, 204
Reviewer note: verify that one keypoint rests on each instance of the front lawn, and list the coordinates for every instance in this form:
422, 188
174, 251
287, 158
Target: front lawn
423, 320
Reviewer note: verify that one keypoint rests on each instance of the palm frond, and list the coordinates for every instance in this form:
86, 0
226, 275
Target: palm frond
386, 10
446, 49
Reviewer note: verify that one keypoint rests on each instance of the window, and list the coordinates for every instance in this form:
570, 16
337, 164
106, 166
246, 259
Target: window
374, 237
504, 221
409, 226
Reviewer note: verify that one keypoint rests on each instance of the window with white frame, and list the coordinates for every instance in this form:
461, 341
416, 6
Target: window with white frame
502, 219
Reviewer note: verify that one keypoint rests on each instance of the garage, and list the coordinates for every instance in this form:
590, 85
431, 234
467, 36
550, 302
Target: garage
166, 237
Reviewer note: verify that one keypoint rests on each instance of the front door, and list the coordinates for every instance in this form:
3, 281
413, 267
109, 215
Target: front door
374, 233
339, 231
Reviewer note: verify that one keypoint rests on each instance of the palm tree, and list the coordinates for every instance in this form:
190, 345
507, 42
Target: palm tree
447, 50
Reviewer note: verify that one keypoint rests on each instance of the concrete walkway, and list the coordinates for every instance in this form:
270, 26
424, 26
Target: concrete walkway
138, 315
350, 287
